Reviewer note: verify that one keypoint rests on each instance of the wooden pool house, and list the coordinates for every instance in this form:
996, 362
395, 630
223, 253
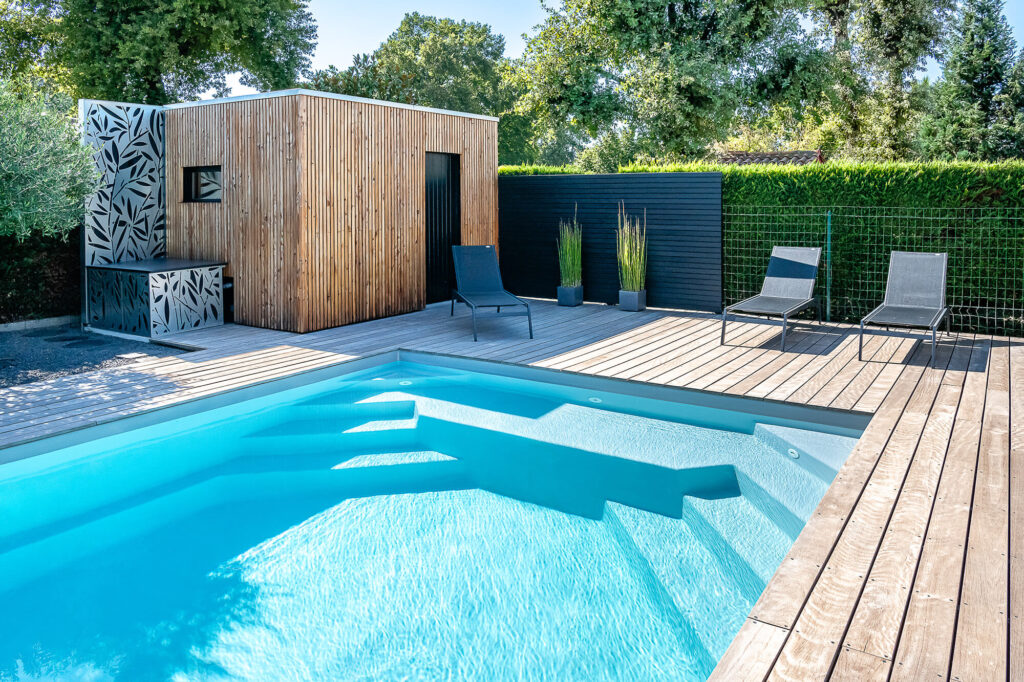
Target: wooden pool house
321, 210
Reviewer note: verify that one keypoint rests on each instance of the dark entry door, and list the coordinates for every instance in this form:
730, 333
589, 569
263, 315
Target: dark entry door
443, 224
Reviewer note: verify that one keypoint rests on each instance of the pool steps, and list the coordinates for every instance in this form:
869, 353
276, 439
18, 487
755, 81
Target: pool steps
378, 428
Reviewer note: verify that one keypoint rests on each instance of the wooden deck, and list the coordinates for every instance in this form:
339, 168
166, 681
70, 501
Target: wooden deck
911, 567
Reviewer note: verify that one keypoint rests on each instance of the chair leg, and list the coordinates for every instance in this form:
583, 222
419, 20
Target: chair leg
723, 327
949, 329
860, 343
499, 310
453, 307
474, 323
933, 346
529, 320
785, 320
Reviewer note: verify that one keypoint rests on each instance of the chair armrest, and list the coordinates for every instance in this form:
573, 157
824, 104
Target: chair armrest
801, 306
729, 308
867, 318
521, 301
938, 317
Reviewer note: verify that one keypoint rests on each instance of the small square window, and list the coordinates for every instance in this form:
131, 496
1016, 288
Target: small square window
202, 184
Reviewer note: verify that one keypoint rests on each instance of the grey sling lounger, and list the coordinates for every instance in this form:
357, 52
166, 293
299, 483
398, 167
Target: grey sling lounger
478, 282
788, 287
915, 295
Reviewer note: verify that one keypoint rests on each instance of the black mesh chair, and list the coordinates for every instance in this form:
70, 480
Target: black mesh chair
788, 287
915, 295
479, 284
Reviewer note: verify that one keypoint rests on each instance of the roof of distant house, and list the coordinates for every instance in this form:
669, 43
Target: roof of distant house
794, 158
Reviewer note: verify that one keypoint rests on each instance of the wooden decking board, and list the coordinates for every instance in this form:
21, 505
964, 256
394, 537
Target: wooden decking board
658, 369
844, 375
712, 370
813, 547
869, 375
738, 364
910, 567
787, 370
812, 646
814, 342
854, 379
223, 380
857, 666
752, 652
879, 613
699, 359
981, 628
653, 333
817, 370
675, 342
1016, 564
162, 383
824, 374
740, 371
931, 612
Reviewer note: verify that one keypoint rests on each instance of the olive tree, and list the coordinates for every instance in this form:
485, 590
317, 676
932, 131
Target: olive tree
46, 171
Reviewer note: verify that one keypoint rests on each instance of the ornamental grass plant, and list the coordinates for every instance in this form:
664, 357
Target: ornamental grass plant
631, 242
570, 252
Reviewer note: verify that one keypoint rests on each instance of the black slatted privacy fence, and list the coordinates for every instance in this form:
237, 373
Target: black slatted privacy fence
684, 234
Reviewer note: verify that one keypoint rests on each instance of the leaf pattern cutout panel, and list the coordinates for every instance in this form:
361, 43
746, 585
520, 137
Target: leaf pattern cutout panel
181, 300
126, 219
119, 301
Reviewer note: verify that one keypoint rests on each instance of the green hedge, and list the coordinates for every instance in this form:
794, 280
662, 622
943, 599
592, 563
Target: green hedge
916, 185
40, 277
972, 211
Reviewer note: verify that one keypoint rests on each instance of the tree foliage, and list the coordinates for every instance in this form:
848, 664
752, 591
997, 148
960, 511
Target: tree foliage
430, 61
446, 64
156, 51
897, 36
26, 35
676, 72
969, 102
45, 170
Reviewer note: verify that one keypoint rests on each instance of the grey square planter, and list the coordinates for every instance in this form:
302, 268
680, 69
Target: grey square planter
633, 301
570, 296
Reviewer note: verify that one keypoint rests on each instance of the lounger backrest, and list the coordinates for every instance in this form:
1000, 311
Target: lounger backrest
791, 272
476, 269
916, 279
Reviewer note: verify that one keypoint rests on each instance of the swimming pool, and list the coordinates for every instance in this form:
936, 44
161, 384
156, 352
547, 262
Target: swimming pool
406, 520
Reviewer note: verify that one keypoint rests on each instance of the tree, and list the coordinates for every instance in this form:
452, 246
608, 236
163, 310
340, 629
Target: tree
675, 72
26, 34
613, 149
896, 37
45, 170
430, 61
157, 51
837, 19
441, 63
1009, 122
979, 59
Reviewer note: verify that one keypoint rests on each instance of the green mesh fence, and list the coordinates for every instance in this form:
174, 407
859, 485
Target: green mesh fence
985, 280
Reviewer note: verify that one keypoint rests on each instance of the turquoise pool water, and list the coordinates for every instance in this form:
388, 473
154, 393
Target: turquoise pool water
404, 522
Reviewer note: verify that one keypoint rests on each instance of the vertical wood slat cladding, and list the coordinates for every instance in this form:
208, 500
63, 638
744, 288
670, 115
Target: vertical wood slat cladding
323, 215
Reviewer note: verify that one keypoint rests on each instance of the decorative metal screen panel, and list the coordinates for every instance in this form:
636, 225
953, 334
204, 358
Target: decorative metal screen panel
186, 299
126, 218
119, 301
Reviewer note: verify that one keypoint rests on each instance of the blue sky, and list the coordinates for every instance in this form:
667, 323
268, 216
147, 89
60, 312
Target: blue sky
348, 28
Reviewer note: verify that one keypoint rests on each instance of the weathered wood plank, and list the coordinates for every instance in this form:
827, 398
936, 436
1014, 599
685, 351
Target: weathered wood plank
979, 651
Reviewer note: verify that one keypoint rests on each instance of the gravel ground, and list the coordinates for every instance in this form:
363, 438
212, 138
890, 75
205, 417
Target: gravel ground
40, 354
